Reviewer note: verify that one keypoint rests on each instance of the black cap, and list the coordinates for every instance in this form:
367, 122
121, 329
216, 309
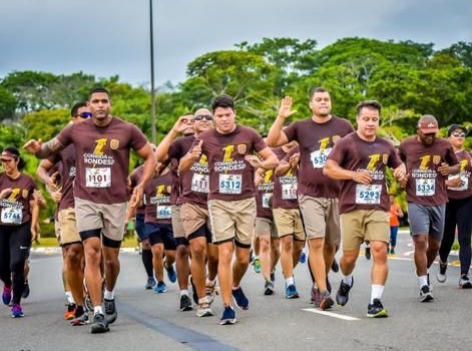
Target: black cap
454, 127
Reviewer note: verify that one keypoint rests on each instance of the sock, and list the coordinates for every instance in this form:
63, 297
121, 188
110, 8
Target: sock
183, 292
69, 297
347, 279
423, 280
289, 281
109, 295
377, 292
146, 257
97, 310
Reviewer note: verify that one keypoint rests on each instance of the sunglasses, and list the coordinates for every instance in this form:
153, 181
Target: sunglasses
458, 135
84, 115
205, 117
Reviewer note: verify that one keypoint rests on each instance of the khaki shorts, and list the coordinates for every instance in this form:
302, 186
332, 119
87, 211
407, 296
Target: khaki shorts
265, 226
68, 225
177, 226
110, 218
289, 222
232, 220
360, 225
193, 218
320, 218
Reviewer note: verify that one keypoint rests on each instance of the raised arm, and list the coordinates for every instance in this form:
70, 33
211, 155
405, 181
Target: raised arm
276, 136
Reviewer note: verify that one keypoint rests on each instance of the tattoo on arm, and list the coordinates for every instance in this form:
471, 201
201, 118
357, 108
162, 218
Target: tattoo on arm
51, 147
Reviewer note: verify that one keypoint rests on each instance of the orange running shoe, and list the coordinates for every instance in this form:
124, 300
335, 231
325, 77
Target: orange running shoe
69, 314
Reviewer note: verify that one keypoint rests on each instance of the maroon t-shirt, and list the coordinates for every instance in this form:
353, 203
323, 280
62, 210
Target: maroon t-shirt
177, 150
286, 186
134, 179
316, 142
195, 183
15, 208
355, 154
67, 171
157, 200
102, 158
464, 190
264, 192
231, 176
426, 186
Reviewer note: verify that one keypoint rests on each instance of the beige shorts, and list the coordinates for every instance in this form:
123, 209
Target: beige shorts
321, 218
265, 226
289, 222
68, 227
360, 225
232, 220
177, 226
110, 218
193, 218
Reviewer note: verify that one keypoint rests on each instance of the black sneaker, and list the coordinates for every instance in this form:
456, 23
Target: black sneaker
376, 310
464, 282
335, 266
240, 299
80, 317
367, 253
151, 282
268, 288
110, 311
185, 303
342, 296
100, 324
425, 294
26, 290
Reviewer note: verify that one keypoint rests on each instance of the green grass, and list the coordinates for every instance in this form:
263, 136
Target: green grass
128, 242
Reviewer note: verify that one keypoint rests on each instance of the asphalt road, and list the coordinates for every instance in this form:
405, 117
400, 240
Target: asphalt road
148, 321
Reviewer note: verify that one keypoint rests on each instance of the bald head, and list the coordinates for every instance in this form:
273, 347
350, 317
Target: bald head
203, 120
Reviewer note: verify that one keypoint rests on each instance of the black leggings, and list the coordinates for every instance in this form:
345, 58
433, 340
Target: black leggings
458, 213
15, 245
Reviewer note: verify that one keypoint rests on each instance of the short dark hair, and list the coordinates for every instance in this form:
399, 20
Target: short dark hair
98, 90
317, 90
224, 101
370, 104
75, 109
16, 153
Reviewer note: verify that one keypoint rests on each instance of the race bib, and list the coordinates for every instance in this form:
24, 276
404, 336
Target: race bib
266, 200
98, 177
368, 194
201, 183
425, 187
319, 157
11, 215
289, 191
164, 212
230, 184
464, 183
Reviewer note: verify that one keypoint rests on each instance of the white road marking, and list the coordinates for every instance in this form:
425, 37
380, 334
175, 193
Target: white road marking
330, 314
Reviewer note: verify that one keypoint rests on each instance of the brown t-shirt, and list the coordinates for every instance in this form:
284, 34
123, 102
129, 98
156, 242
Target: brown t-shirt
195, 183
15, 208
157, 200
177, 150
134, 179
231, 176
286, 186
67, 171
464, 190
316, 142
264, 192
426, 186
102, 158
354, 154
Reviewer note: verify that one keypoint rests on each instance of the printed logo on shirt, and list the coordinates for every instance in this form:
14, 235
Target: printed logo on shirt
15, 192
114, 144
24, 193
101, 143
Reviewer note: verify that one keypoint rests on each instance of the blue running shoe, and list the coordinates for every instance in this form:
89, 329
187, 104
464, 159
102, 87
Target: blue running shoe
291, 292
6, 296
171, 274
160, 288
16, 311
240, 299
229, 316
302, 258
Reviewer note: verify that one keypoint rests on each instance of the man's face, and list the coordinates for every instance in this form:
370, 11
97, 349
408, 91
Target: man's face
457, 138
9, 163
426, 139
320, 104
83, 113
224, 119
368, 122
100, 105
189, 125
203, 120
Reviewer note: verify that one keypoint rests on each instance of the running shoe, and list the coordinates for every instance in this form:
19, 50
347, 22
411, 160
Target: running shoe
315, 296
302, 258
229, 316
160, 288
268, 288
464, 282
425, 294
367, 253
99, 324
26, 290
441, 272
150, 283
335, 266
70, 312
110, 311
257, 265
16, 311
376, 310
326, 301
240, 299
342, 296
6, 295
81, 317
392, 252
171, 274
291, 292
185, 303
203, 308
211, 292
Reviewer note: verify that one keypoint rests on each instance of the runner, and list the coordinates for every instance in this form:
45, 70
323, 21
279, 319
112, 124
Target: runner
429, 160
230, 149
395, 212
102, 145
317, 194
458, 210
361, 159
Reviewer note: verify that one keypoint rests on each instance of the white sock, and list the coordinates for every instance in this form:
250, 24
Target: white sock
347, 279
377, 292
183, 292
289, 281
109, 295
423, 280
69, 297
98, 310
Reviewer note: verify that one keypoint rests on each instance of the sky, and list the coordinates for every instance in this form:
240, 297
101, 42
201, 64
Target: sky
111, 37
